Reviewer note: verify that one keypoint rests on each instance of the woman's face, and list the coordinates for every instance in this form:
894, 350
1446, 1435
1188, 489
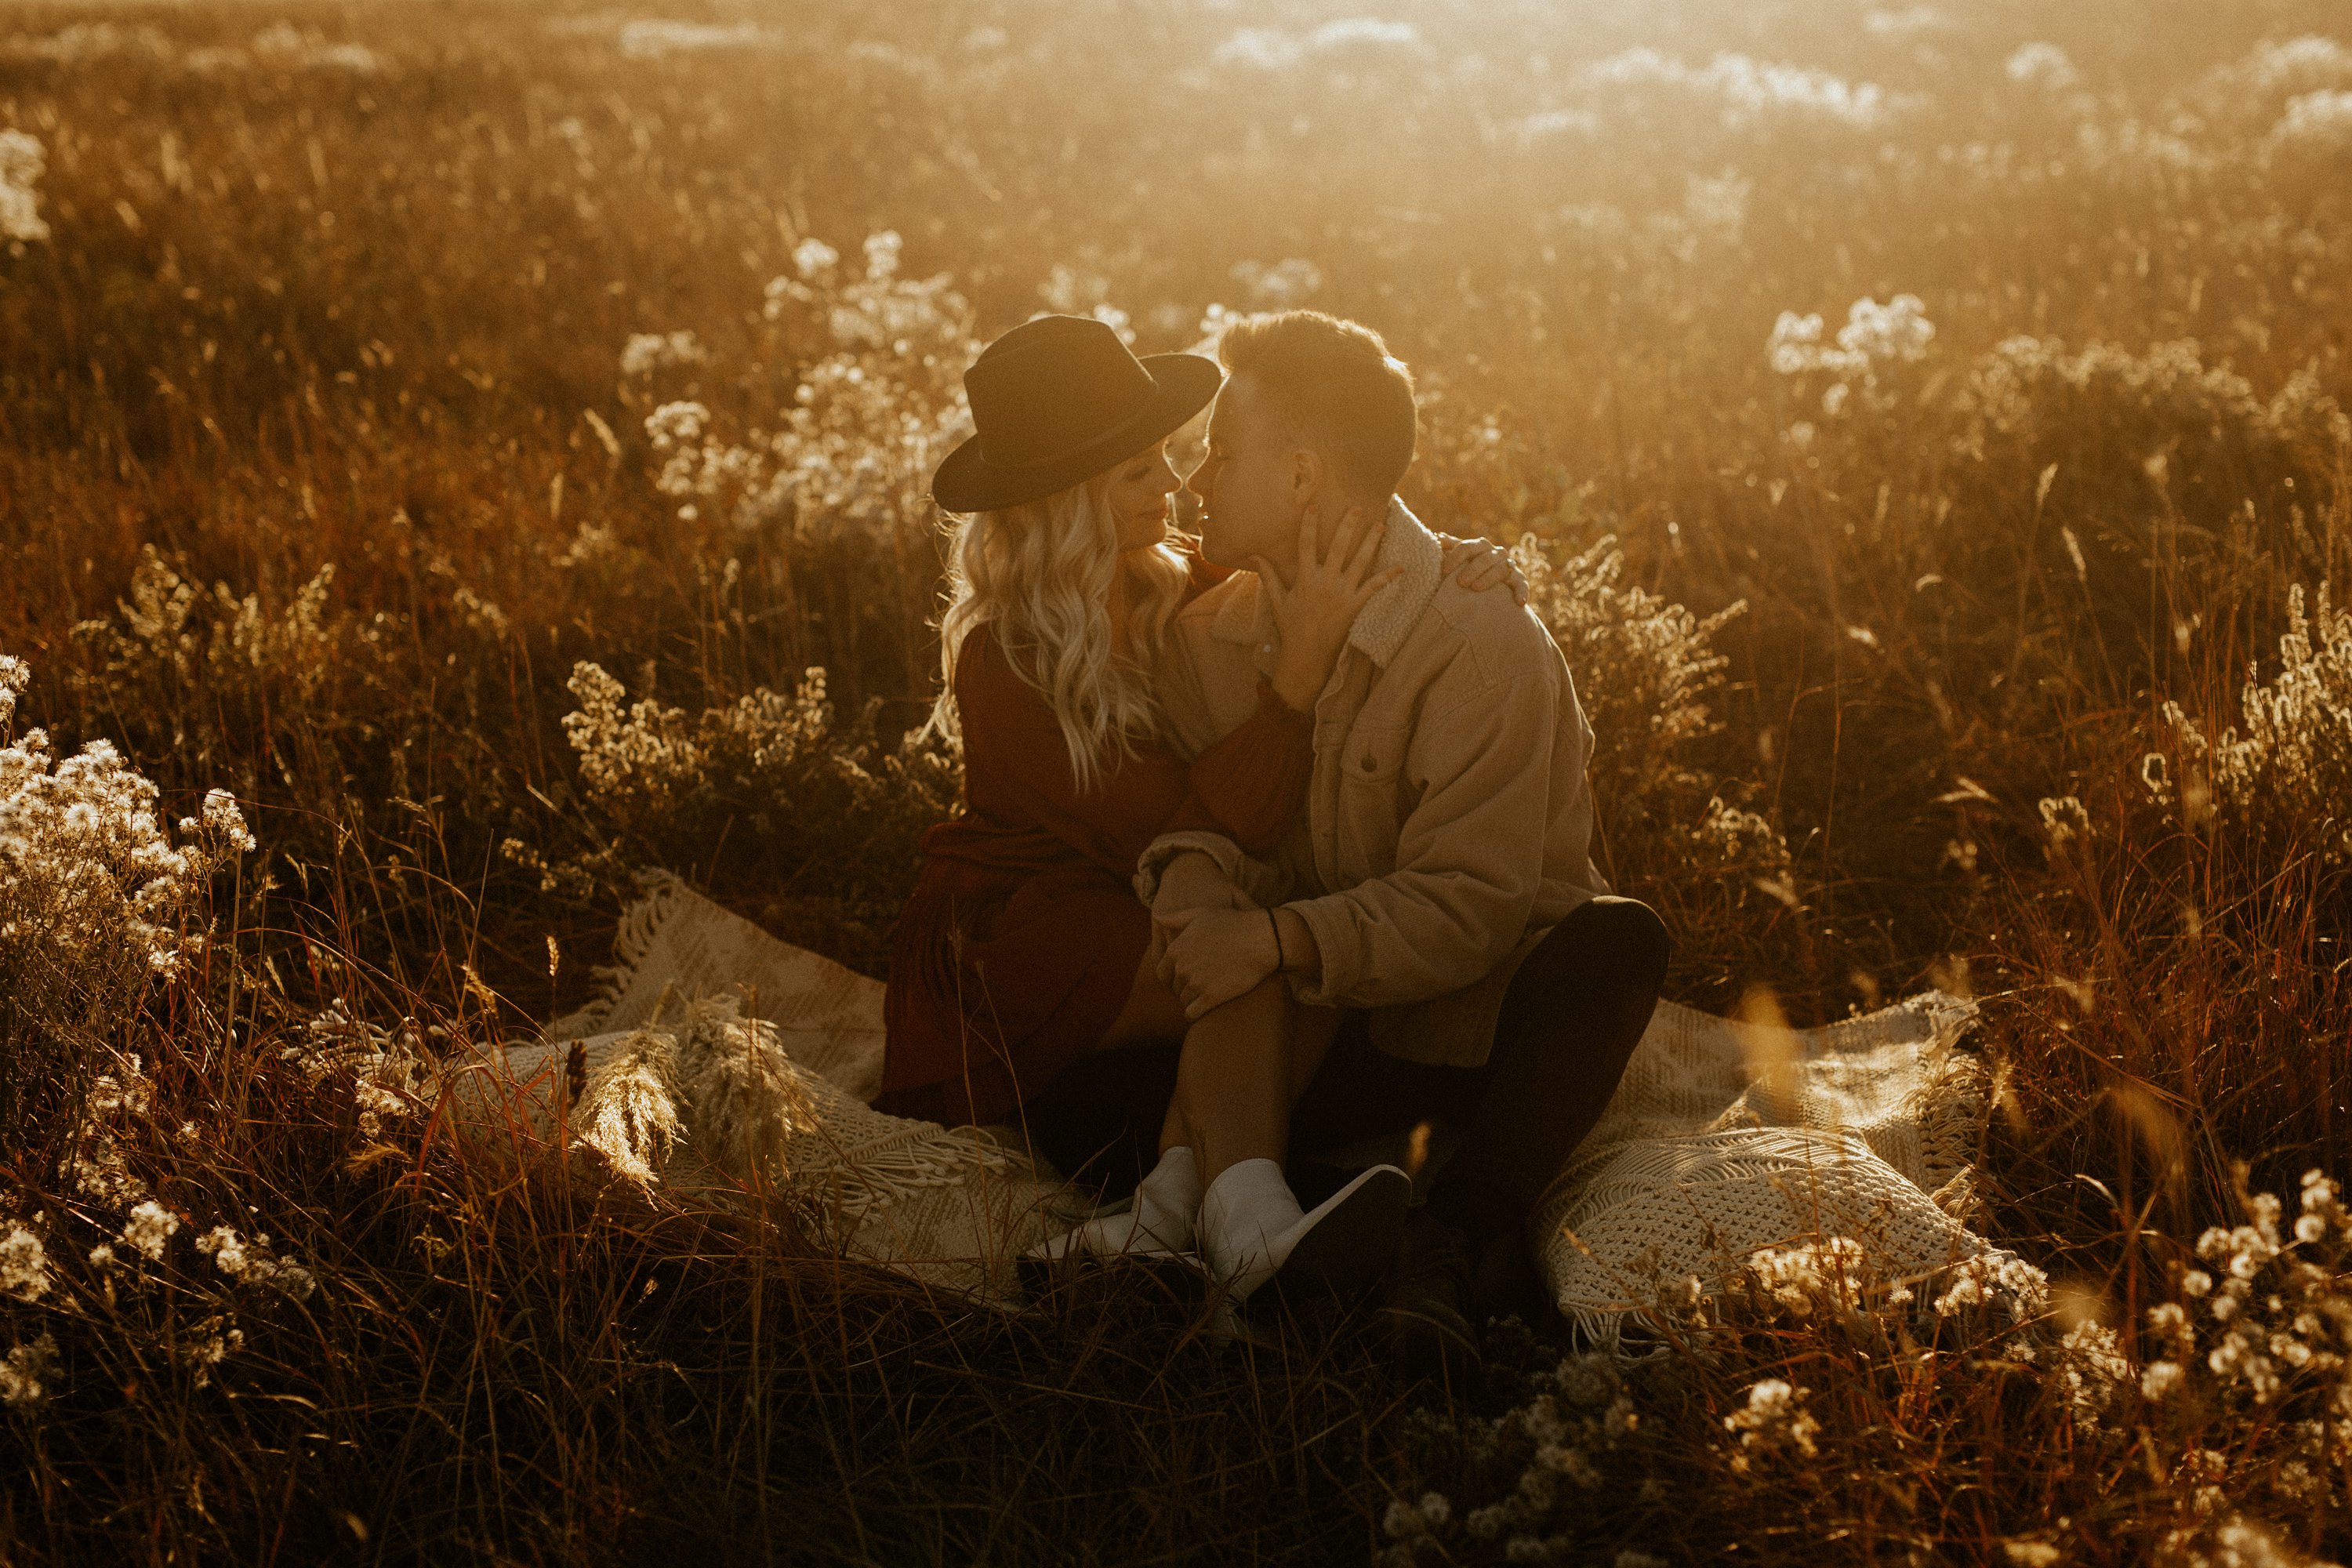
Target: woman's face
1139, 489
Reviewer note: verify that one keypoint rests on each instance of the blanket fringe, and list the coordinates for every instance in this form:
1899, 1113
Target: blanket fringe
641, 925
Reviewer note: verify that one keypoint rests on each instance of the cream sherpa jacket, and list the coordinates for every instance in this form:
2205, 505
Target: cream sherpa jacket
1448, 824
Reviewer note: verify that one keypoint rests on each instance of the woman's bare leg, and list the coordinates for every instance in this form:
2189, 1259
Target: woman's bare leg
1233, 1082
1242, 1069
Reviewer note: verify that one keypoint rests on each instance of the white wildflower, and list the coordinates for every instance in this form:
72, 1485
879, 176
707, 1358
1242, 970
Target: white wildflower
2065, 819
228, 1254
1824, 1278
22, 159
150, 1226
1773, 1418
23, 1264
282, 1273
81, 42
2092, 1370
2043, 66
94, 896
1910, 22
29, 1376
2296, 65
211, 1342
1748, 89
814, 259
1360, 38
1994, 1279
1874, 339
650, 38
15, 676
1884, 334
287, 44
1286, 285
647, 353
377, 1101
2314, 122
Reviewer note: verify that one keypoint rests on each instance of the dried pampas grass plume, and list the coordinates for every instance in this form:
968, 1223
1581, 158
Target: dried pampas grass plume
750, 1101
627, 1111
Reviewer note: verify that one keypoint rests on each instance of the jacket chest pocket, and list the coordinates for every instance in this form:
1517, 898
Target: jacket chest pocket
1372, 805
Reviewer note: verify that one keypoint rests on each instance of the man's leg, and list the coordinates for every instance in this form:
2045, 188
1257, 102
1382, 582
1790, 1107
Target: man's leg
1575, 1010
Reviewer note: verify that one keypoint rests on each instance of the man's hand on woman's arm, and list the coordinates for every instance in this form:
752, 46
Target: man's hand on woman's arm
1189, 882
1213, 955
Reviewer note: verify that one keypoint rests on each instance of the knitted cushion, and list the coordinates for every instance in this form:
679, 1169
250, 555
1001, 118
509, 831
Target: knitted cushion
1726, 1137
1663, 1210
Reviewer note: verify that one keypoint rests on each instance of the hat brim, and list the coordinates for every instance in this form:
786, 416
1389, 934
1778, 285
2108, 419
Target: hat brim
1183, 386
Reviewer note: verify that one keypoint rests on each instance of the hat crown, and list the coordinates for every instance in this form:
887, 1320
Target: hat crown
1051, 387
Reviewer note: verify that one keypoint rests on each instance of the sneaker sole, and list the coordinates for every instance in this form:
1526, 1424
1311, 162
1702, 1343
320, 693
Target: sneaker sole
1355, 1243
1182, 1274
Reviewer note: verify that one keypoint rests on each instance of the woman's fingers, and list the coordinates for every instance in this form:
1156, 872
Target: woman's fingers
1367, 591
1368, 550
1268, 583
1485, 570
1341, 545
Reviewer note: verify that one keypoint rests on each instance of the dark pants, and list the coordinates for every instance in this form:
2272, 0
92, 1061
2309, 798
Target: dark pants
1574, 1010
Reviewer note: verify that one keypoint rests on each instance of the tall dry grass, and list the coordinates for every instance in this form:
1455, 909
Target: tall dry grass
351, 462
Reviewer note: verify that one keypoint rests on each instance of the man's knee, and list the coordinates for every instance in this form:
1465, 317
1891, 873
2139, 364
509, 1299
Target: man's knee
1627, 934
1606, 943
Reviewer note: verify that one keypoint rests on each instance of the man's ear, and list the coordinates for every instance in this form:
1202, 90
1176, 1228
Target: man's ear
1307, 471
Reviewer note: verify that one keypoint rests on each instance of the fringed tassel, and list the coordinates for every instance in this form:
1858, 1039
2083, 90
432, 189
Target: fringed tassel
641, 924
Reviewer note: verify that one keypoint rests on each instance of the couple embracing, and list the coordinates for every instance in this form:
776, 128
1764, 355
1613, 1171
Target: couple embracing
1275, 856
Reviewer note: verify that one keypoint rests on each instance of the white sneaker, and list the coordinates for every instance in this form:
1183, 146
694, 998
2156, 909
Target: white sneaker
1345, 1242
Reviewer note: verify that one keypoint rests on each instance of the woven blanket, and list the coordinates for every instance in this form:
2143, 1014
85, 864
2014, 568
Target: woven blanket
1723, 1138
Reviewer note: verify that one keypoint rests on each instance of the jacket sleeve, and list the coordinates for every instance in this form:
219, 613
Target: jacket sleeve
1469, 859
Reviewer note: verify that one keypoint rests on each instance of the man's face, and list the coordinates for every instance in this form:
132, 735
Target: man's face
1250, 485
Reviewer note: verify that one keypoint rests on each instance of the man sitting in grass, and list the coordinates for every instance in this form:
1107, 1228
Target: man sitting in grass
1466, 985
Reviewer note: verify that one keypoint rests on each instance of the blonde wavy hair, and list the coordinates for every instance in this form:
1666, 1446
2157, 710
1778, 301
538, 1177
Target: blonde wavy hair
1042, 574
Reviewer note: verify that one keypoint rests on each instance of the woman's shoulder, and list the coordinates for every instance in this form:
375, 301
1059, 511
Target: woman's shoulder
985, 676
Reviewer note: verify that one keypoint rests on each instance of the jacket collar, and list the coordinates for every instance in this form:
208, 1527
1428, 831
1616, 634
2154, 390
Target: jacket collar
1247, 615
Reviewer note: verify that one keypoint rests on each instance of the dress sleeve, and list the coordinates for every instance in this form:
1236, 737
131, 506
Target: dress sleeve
1249, 785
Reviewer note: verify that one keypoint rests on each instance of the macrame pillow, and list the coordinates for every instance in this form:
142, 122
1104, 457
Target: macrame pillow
1665, 1210
1726, 1137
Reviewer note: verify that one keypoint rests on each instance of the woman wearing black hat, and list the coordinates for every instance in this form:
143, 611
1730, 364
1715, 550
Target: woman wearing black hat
1024, 946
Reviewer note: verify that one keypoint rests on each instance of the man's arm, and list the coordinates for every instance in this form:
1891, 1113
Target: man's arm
1469, 858
1469, 863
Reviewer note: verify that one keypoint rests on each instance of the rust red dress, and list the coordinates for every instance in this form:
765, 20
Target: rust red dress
1020, 943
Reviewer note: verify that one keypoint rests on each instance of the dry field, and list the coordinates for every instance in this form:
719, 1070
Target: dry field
462, 432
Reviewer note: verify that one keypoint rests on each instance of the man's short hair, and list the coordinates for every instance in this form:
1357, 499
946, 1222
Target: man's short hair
1336, 384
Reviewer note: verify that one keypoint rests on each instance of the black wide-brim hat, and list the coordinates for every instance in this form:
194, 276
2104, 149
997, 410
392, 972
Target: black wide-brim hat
1058, 400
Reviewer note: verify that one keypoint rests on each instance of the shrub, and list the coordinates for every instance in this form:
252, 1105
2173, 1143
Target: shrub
2283, 782
1645, 672
96, 902
809, 802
